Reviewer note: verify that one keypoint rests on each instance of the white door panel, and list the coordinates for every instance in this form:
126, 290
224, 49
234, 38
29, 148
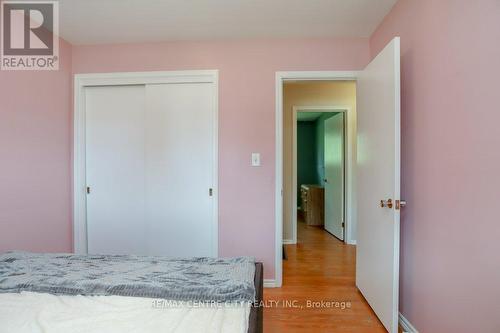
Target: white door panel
115, 168
378, 178
179, 169
334, 175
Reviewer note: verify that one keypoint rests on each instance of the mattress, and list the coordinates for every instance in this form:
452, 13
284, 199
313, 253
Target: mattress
182, 279
29, 312
40, 312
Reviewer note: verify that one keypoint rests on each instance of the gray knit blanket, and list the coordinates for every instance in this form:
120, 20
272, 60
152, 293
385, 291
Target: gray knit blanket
189, 279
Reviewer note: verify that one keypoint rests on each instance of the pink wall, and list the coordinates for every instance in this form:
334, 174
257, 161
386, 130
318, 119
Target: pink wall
35, 133
450, 271
35, 142
450, 65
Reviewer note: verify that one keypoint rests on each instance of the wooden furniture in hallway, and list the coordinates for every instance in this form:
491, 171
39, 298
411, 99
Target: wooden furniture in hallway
319, 268
312, 205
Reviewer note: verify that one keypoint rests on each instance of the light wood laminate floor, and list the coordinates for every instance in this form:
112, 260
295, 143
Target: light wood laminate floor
319, 268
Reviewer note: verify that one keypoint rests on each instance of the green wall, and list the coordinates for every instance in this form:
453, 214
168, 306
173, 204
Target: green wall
306, 155
311, 152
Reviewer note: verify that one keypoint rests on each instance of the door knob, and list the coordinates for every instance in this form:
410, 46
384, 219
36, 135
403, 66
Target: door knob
386, 203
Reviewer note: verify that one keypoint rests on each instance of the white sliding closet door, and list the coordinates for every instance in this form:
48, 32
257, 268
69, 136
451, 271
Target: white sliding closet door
115, 167
180, 169
151, 169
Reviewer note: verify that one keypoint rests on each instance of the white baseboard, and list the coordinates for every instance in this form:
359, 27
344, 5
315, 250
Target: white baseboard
351, 242
406, 325
288, 241
270, 283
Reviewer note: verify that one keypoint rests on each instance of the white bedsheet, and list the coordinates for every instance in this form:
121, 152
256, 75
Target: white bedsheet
28, 312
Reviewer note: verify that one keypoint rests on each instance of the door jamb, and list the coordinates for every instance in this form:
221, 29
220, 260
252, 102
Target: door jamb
348, 168
280, 78
119, 79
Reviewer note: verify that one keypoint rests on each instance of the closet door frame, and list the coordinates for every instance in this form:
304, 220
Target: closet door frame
82, 81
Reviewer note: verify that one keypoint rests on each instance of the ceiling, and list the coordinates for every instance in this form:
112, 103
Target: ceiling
129, 21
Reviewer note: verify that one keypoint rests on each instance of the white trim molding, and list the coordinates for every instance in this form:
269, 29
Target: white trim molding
281, 77
154, 77
289, 241
406, 325
270, 283
81, 81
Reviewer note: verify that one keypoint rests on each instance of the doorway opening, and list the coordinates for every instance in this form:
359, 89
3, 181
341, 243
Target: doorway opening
319, 137
319, 152
309, 92
319, 145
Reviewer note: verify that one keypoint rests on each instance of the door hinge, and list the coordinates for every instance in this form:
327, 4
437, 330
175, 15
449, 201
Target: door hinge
210, 191
343, 224
88, 189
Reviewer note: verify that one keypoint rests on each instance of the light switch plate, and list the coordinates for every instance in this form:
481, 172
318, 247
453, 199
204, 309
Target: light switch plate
255, 159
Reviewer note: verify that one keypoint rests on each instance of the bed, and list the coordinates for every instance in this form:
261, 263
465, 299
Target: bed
71, 293
256, 319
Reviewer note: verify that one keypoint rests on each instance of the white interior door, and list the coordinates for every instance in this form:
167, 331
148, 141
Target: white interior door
150, 165
334, 175
378, 178
115, 166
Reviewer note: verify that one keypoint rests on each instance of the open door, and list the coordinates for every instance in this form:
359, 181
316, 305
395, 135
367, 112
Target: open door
334, 175
378, 179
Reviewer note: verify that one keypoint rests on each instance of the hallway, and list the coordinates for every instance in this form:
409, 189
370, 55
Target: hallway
319, 268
